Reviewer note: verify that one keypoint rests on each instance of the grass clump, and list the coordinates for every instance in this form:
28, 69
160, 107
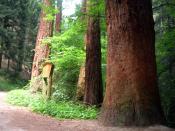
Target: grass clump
60, 110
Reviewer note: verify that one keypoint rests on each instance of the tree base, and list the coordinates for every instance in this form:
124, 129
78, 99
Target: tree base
130, 117
36, 84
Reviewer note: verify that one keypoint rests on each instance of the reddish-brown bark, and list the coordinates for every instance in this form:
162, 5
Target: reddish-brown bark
132, 95
93, 75
42, 50
58, 16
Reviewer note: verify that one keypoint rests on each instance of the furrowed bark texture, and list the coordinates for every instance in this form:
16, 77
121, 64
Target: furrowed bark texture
93, 76
42, 50
132, 95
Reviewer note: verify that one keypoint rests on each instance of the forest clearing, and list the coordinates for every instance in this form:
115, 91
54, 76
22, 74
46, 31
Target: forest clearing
87, 65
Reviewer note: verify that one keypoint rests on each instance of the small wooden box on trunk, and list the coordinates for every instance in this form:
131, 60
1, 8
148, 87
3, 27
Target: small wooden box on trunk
47, 77
47, 69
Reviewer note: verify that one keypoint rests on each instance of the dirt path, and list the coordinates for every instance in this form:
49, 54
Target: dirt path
20, 119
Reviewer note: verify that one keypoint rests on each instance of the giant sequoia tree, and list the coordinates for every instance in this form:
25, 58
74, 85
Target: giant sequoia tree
132, 95
42, 50
93, 76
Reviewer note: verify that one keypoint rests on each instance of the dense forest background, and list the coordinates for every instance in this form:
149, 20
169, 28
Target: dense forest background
18, 30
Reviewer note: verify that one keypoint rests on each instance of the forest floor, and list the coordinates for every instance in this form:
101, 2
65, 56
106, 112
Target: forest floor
21, 119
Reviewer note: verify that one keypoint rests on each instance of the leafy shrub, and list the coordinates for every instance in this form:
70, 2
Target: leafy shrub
165, 51
61, 110
67, 55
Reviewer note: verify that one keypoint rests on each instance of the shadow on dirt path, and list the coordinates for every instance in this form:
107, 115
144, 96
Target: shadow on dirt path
21, 119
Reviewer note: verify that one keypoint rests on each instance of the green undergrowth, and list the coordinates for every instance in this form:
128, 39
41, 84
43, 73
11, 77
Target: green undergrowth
60, 110
8, 84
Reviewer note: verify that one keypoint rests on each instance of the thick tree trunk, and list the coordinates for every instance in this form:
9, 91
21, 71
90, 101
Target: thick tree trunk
93, 75
132, 95
42, 50
58, 17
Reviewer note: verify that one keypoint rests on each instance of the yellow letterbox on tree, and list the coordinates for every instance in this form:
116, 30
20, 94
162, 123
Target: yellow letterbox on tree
47, 70
47, 77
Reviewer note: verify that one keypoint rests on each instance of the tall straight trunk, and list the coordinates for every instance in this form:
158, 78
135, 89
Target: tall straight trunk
58, 16
42, 50
93, 75
81, 79
132, 95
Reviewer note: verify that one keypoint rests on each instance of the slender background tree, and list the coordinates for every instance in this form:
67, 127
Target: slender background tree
93, 75
58, 16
